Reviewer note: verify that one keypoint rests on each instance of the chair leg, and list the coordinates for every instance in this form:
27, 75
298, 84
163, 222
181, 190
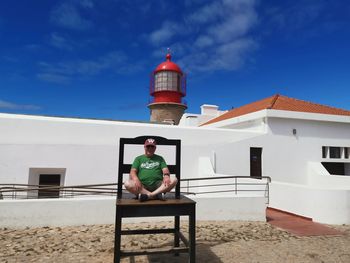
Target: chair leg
117, 235
176, 234
192, 235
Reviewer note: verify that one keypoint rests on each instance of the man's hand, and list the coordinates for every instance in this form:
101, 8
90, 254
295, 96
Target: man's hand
166, 180
138, 184
135, 179
166, 176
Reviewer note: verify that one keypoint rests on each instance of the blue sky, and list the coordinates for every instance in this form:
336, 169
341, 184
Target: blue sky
93, 58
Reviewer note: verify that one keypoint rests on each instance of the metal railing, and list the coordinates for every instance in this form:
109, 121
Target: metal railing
26, 191
196, 186
227, 184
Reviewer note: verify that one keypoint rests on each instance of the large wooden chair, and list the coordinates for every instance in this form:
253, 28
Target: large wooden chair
175, 205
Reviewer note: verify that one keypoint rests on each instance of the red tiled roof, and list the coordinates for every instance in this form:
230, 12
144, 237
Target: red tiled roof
279, 102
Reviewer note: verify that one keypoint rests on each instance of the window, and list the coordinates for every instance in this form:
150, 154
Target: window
49, 180
49, 177
335, 168
334, 152
324, 152
167, 81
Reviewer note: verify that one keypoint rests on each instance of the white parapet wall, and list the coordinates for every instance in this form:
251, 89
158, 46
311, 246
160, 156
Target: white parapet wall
89, 211
323, 205
231, 208
318, 176
56, 212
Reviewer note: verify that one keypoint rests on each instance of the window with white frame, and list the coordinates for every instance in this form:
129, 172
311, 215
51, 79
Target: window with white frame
335, 152
45, 177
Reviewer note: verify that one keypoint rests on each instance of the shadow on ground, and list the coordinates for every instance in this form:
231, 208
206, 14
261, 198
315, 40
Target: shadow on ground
203, 255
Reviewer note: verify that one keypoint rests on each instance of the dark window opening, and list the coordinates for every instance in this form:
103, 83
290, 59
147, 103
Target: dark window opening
346, 153
334, 152
335, 168
49, 180
255, 162
324, 152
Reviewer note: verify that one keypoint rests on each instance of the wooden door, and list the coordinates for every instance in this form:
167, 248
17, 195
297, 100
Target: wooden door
255, 162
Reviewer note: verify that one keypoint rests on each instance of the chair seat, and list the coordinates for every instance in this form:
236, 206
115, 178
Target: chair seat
129, 199
131, 207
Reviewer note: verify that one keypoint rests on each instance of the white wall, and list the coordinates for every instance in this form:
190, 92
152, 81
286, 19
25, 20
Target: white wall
88, 211
228, 207
286, 156
237, 187
88, 149
330, 206
318, 176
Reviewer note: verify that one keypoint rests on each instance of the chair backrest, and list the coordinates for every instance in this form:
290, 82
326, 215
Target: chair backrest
124, 168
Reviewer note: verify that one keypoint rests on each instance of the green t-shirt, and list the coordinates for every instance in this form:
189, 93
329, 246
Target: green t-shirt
149, 169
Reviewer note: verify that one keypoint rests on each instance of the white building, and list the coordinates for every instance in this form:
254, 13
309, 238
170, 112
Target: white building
305, 150
303, 147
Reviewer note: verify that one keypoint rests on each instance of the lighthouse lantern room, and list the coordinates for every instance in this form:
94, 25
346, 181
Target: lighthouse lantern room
168, 87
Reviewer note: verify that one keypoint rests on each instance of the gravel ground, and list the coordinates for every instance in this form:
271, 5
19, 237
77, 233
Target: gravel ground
217, 241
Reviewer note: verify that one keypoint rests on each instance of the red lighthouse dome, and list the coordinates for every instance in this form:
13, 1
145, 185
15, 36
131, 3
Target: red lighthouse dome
168, 86
168, 65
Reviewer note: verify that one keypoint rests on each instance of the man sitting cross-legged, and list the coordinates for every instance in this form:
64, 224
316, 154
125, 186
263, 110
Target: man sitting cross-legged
149, 175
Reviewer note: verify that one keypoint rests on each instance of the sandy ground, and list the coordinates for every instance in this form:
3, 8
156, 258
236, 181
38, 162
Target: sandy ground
217, 241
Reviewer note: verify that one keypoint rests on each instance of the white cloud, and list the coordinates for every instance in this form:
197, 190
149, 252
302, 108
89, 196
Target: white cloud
178, 48
233, 55
12, 106
53, 77
67, 15
63, 72
11, 59
203, 41
60, 42
229, 56
165, 33
86, 3
234, 26
216, 36
32, 47
112, 60
305, 13
296, 15
207, 13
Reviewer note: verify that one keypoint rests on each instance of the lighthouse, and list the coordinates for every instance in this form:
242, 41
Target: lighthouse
168, 87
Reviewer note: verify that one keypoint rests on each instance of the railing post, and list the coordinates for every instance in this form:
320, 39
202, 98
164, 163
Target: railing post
268, 192
235, 185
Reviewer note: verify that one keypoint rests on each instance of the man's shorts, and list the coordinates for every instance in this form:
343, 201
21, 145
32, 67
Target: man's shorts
154, 186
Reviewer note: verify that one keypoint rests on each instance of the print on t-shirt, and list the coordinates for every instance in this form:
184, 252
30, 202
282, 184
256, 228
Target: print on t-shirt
149, 165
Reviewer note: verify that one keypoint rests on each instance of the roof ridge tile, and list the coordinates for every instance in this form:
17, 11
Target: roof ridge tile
317, 104
274, 99
280, 102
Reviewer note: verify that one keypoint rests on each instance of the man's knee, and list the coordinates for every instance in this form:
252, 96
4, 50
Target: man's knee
129, 184
173, 180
